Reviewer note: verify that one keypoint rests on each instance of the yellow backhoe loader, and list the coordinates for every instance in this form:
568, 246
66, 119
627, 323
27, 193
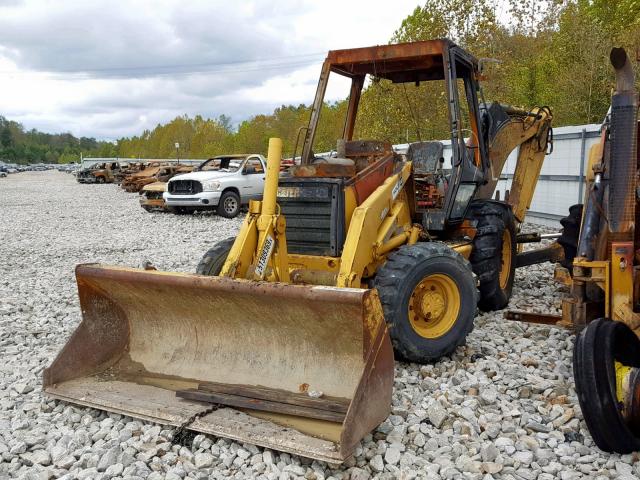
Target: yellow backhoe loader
285, 336
604, 304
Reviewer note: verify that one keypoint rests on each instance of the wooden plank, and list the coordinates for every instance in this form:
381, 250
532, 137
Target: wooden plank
257, 404
331, 404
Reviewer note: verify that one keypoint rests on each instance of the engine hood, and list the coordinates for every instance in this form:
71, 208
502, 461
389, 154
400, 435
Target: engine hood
155, 187
203, 176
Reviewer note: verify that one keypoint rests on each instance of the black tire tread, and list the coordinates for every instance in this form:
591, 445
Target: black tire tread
390, 278
492, 219
212, 261
597, 347
570, 235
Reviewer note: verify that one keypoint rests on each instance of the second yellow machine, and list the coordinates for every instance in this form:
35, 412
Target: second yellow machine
285, 337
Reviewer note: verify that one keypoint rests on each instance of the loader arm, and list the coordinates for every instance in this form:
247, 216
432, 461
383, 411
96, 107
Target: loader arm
262, 241
382, 223
530, 132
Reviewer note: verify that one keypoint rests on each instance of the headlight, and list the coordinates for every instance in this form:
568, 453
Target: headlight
210, 186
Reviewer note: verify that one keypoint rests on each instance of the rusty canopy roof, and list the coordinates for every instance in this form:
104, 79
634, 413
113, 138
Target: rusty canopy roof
402, 62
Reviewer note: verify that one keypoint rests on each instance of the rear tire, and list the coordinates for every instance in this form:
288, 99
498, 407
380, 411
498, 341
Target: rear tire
597, 347
570, 235
212, 261
427, 275
229, 205
493, 257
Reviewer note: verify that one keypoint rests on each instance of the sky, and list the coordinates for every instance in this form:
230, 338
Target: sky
108, 69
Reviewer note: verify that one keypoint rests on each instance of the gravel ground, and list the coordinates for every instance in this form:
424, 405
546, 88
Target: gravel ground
503, 407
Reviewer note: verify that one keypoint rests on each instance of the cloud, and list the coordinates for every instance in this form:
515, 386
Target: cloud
143, 38
112, 68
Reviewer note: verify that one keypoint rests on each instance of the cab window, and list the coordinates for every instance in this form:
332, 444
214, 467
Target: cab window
253, 165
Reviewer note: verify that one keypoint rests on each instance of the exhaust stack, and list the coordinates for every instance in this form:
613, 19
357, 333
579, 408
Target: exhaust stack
624, 144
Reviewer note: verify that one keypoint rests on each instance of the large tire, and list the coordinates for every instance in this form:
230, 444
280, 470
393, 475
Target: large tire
570, 235
212, 261
598, 346
493, 257
229, 205
427, 275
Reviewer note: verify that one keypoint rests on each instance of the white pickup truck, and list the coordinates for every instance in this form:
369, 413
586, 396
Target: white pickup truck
222, 183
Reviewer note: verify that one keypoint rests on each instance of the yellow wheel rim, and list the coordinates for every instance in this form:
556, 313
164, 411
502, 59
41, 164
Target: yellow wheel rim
434, 306
622, 381
505, 261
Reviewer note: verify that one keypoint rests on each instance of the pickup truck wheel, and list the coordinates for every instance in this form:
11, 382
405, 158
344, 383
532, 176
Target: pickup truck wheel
229, 206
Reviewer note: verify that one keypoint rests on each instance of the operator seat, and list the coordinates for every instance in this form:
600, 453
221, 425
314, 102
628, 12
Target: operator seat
427, 157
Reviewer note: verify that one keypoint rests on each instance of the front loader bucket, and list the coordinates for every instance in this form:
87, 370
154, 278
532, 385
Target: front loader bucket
302, 369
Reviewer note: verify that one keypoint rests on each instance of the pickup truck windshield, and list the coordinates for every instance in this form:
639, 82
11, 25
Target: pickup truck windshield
221, 165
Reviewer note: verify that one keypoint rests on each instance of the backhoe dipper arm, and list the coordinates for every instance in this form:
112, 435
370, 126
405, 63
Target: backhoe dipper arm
530, 131
530, 159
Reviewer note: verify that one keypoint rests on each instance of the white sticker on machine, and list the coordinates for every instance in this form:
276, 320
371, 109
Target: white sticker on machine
269, 243
397, 188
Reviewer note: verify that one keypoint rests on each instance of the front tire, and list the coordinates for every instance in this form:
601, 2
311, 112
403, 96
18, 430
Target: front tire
229, 206
429, 298
493, 257
212, 261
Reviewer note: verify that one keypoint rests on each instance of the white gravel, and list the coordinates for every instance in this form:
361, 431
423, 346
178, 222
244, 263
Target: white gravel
503, 407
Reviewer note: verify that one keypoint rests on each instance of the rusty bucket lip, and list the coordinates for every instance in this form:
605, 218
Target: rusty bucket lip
277, 289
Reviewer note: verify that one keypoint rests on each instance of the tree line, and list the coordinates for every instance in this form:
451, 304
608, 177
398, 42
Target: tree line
18, 145
549, 52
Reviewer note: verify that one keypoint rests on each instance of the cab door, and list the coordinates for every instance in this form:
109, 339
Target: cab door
254, 175
468, 149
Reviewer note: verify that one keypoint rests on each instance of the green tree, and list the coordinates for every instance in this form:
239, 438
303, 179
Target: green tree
6, 138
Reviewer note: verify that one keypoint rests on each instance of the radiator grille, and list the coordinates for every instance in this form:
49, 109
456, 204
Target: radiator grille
314, 214
184, 187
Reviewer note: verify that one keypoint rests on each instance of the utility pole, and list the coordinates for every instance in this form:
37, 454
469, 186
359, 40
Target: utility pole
177, 152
